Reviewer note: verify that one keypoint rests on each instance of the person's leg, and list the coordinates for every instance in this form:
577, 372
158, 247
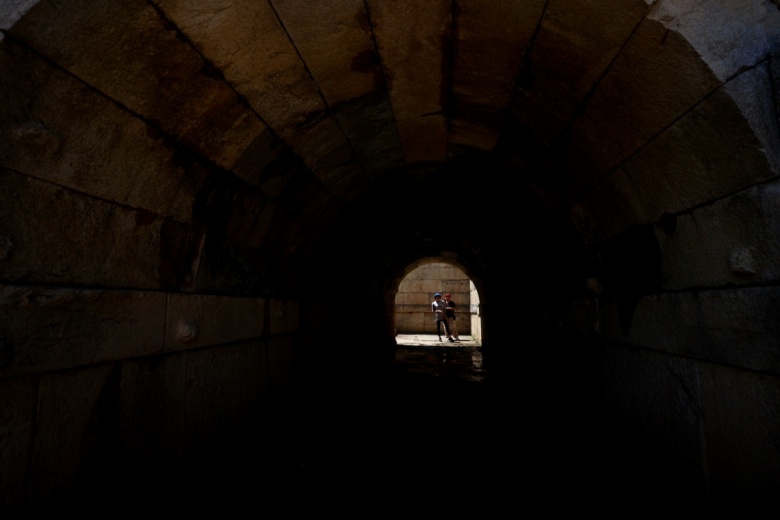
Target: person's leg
438, 328
447, 330
453, 328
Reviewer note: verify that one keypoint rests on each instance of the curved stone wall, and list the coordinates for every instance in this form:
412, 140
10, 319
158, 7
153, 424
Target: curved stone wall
196, 200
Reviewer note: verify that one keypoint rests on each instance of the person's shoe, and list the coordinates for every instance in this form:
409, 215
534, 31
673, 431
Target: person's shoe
439, 338
457, 339
450, 339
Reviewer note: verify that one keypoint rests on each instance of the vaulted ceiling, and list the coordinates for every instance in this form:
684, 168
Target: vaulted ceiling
275, 127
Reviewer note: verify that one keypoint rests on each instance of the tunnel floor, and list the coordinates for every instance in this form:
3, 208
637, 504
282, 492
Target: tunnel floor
440, 435
425, 355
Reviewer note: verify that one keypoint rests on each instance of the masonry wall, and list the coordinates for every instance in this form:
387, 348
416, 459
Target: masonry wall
415, 293
163, 391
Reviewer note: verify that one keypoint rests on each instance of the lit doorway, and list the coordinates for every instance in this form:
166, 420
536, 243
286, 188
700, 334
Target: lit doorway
414, 321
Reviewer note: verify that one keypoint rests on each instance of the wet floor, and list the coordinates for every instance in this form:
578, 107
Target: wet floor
426, 356
441, 436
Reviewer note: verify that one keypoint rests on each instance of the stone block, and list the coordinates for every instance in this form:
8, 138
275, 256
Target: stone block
665, 177
410, 66
732, 241
411, 285
572, 47
58, 236
285, 93
655, 416
424, 139
189, 101
741, 431
47, 329
59, 130
281, 357
72, 453
754, 92
412, 322
331, 37
728, 37
613, 126
227, 386
431, 286
17, 424
153, 424
405, 298
197, 320
284, 317
729, 326
369, 124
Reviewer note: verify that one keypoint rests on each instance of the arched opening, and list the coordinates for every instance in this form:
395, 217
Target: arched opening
191, 237
423, 349
415, 292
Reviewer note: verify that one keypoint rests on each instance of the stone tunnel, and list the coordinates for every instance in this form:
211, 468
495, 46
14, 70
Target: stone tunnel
206, 209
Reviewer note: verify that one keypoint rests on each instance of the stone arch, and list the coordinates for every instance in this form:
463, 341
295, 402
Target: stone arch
447, 258
165, 163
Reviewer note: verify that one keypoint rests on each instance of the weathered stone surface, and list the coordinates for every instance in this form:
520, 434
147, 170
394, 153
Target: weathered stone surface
269, 164
11, 13
726, 42
49, 329
755, 95
602, 213
311, 202
413, 67
666, 176
728, 326
247, 43
656, 403
423, 138
196, 320
226, 387
334, 39
284, 318
250, 219
741, 432
17, 424
733, 241
369, 125
481, 89
121, 52
325, 151
62, 237
152, 421
285, 95
56, 129
219, 120
574, 46
655, 80
75, 424
281, 363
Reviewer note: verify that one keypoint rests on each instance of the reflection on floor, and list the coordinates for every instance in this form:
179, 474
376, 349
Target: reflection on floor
443, 361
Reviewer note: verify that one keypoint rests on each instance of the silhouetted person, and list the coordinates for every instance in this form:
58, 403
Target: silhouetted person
439, 308
451, 316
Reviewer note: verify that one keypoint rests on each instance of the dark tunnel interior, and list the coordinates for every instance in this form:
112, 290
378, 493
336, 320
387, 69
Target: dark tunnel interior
207, 210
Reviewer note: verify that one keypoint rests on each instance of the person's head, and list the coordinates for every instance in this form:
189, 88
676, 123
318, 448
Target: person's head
447, 296
437, 296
